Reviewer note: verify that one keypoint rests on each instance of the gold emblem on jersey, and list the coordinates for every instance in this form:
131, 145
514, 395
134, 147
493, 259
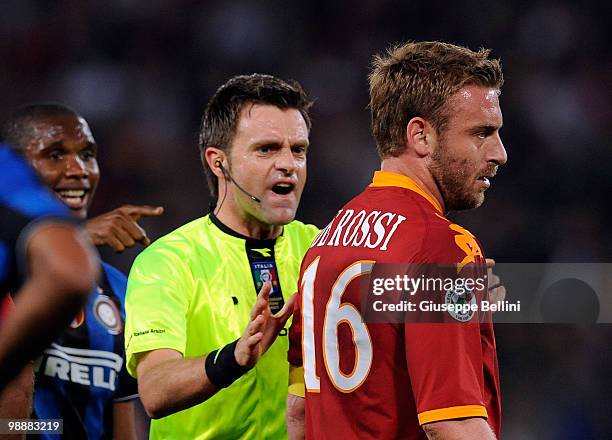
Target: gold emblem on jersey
468, 244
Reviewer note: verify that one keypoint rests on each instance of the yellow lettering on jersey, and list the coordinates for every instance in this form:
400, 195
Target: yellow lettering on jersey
468, 244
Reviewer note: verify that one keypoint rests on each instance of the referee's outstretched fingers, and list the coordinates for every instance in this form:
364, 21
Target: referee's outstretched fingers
262, 304
255, 331
248, 348
274, 323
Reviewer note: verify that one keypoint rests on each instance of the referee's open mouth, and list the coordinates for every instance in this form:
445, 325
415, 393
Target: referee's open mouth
283, 188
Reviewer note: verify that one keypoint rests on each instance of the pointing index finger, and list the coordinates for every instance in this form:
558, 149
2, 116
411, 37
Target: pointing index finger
137, 211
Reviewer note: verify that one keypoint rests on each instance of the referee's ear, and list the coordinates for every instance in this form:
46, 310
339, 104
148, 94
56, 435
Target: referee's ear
213, 156
420, 136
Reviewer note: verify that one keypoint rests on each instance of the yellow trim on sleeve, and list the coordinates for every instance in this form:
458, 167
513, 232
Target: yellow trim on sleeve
453, 412
296, 381
386, 178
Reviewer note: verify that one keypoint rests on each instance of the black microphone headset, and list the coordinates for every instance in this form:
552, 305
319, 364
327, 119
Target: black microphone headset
226, 173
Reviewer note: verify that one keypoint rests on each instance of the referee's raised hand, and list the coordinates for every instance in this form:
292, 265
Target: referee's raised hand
263, 329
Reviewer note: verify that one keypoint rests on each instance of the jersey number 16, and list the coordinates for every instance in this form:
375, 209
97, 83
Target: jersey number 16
336, 313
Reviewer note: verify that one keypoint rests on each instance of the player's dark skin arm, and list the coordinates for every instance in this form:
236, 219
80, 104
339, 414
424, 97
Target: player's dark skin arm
119, 228
474, 428
16, 398
62, 270
168, 383
124, 425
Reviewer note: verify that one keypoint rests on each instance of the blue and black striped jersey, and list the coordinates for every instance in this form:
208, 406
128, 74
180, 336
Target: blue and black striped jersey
81, 375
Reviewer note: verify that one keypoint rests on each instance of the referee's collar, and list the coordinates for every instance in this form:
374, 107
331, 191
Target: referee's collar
229, 231
386, 178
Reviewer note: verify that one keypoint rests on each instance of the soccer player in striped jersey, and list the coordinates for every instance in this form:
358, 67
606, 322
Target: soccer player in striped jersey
436, 121
81, 378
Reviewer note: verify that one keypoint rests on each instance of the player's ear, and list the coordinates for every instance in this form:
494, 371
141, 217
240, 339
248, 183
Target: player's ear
419, 136
214, 158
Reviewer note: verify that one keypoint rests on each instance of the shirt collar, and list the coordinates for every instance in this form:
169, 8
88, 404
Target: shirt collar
386, 178
229, 231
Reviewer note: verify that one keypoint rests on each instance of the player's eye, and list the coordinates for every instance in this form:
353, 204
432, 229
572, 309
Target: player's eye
88, 155
484, 132
56, 155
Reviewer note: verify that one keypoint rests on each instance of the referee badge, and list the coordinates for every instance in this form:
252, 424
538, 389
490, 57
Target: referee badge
460, 307
106, 312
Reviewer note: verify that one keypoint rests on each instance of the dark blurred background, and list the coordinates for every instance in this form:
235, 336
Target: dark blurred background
142, 71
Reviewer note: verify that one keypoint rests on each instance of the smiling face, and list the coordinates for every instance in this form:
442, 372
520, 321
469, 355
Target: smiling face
469, 150
267, 158
63, 152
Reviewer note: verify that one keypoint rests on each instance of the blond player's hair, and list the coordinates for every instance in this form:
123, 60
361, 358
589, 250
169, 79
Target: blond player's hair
417, 79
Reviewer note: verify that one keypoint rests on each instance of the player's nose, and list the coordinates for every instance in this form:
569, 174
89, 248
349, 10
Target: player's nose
496, 151
75, 167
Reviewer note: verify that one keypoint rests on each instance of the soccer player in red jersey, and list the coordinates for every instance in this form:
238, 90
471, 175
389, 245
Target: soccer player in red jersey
436, 121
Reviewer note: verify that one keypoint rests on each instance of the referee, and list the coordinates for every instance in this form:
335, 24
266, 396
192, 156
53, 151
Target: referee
192, 293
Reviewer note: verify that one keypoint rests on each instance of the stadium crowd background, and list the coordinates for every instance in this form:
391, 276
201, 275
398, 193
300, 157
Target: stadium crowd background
140, 73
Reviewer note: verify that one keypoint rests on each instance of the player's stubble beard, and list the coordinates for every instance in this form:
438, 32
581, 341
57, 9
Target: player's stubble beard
452, 175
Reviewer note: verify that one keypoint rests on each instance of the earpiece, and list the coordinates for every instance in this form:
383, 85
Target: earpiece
226, 173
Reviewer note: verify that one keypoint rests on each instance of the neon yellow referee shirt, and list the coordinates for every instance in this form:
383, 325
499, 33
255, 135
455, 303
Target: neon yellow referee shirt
192, 291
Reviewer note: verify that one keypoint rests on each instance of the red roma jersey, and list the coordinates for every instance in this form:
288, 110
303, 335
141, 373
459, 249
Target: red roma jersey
384, 380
